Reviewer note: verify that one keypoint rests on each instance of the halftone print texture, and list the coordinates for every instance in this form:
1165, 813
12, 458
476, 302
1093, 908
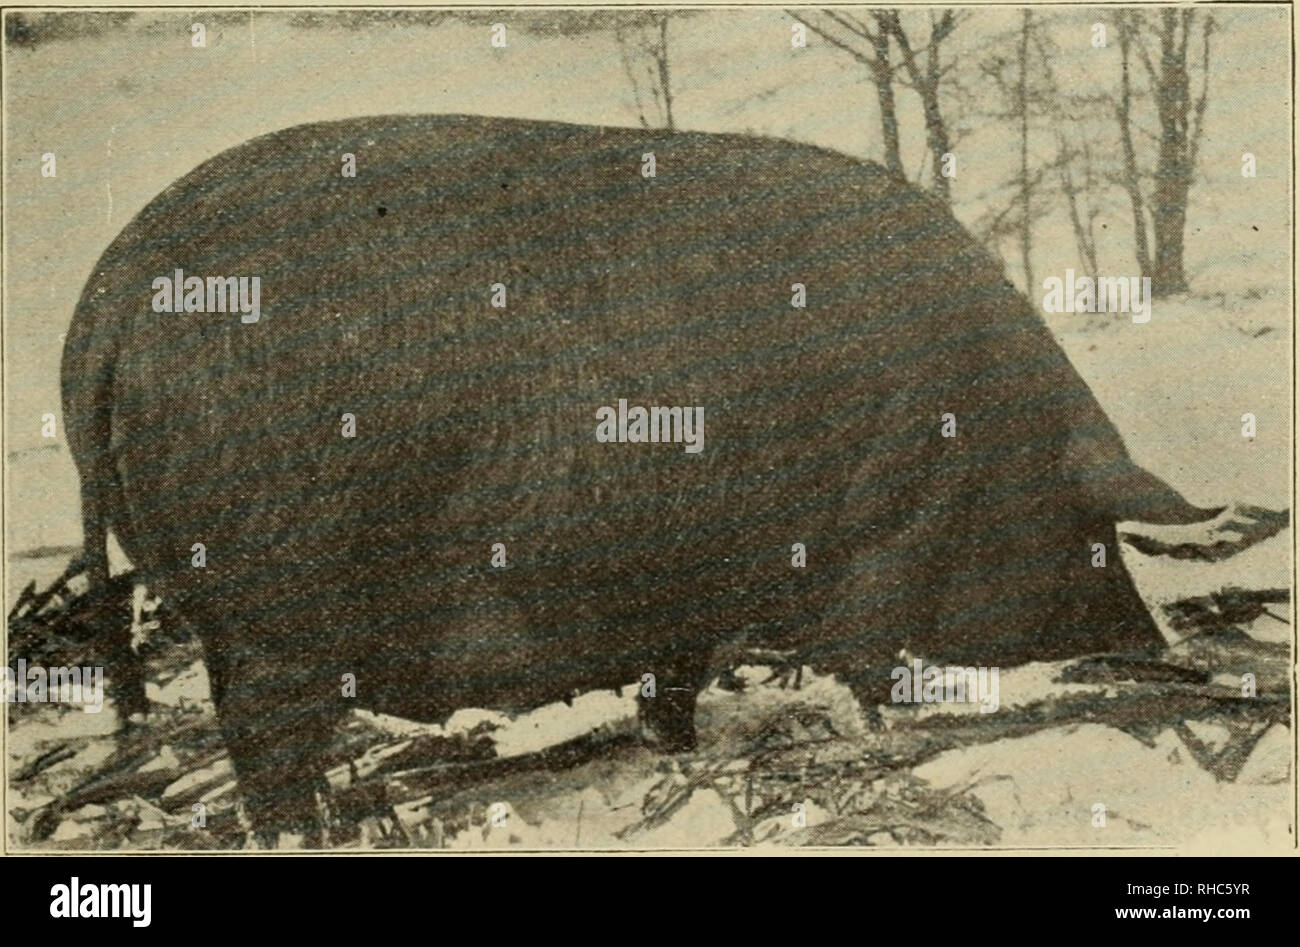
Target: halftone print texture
655, 428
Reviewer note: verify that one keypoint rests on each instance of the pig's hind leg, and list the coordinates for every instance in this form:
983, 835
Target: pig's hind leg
277, 702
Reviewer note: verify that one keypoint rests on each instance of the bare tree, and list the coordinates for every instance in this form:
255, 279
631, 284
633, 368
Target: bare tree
1074, 164
925, 81
1132, 179
1022, 106
847, 33
871, 44
642, 40
643, 48
1021, 95
1079, 202
1181, 125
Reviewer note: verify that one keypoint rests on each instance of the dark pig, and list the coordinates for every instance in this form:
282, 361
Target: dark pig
478, 298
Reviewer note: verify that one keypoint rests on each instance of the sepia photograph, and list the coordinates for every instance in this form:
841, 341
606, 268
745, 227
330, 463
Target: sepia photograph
648, 429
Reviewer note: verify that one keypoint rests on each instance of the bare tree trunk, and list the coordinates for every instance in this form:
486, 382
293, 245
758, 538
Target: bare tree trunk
1081, 218
1198, 114
661, 57
1084, 238
883, 77
1173, 175
927, 86
1022, 104
1132, 183
643, 49
936, 131
625, 56
877, 63
1181, 125
1090, 209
